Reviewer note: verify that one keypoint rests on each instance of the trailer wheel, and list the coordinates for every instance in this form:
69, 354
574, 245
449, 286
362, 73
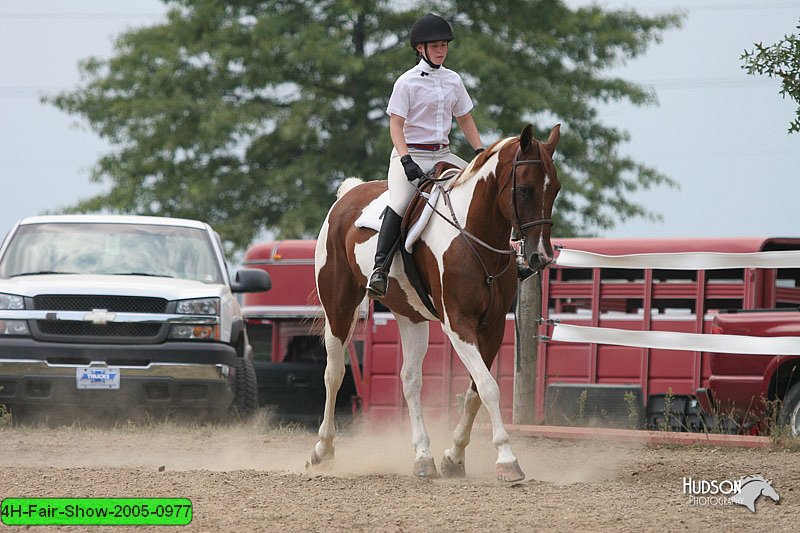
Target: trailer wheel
245, 401
790, 410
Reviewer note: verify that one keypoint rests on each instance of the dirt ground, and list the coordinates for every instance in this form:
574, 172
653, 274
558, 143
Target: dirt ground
251, 477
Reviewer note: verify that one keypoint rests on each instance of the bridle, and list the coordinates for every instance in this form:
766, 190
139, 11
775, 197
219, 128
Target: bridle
519, 227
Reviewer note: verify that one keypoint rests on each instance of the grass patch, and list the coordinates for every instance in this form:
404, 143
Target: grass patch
6, 419
263, 421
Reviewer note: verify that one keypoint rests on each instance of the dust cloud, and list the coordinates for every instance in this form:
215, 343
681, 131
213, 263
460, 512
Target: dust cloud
261, 445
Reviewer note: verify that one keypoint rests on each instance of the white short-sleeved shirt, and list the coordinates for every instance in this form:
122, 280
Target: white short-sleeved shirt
428, 99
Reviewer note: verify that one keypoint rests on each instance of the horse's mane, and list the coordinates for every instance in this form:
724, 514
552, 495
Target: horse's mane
475, 166
749, 479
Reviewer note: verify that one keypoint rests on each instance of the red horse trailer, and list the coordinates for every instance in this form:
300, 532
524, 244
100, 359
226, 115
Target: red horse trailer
577, 383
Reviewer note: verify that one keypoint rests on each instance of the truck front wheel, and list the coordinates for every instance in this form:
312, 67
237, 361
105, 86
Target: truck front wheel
245, 401
790, 410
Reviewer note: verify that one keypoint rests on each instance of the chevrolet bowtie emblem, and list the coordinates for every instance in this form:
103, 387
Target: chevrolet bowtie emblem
99, 316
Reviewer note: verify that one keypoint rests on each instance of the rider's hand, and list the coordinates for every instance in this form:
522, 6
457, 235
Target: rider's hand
413, 170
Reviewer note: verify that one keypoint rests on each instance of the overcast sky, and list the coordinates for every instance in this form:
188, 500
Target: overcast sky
721, 134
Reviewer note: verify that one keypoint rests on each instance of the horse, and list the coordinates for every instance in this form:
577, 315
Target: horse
468, 266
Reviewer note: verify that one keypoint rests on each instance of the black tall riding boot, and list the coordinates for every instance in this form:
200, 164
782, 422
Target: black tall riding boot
387, 238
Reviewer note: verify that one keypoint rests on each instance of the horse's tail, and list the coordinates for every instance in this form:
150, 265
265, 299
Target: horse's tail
318, 321
348, 184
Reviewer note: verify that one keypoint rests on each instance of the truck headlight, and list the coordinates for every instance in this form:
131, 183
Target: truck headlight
195, 332
14, 327
200, 306
11, 302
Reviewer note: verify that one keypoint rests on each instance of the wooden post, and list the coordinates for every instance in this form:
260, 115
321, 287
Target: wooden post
528, 313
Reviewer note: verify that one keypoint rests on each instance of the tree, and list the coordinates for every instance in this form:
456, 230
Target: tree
781, 60
249, 113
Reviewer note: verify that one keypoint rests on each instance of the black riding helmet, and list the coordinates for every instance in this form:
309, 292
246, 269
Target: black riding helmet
427, 29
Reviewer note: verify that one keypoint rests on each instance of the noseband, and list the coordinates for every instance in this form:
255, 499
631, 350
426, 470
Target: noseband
518, 226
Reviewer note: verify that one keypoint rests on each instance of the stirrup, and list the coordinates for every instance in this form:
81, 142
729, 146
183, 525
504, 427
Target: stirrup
377, 284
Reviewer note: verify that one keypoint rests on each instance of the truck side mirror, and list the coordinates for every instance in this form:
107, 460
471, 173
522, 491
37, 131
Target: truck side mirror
251, 280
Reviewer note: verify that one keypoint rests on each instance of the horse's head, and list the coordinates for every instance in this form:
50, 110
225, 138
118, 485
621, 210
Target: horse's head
760, 486
528, 195
770, 492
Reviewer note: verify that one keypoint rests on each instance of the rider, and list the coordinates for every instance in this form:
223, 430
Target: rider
421, 109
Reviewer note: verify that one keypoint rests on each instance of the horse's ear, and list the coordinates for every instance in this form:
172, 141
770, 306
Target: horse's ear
552, 141
526, 137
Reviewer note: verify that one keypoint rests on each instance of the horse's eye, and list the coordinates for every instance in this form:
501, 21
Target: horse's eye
525, 193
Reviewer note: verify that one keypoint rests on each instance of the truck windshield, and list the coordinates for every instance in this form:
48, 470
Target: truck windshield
111, 249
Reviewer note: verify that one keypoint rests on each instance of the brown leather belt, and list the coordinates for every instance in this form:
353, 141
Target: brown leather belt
429, 147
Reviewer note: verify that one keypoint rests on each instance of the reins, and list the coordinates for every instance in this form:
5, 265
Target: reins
454, 222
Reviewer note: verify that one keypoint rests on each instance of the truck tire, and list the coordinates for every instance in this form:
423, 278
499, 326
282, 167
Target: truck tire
790, 410
245, 401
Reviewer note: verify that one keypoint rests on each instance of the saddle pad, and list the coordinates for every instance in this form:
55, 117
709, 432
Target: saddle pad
371, 216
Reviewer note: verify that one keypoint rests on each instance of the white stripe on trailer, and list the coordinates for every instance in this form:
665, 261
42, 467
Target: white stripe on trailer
671, 340
681, 260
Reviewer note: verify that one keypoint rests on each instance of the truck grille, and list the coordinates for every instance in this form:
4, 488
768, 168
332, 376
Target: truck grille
118, 304
87, 329
114, 332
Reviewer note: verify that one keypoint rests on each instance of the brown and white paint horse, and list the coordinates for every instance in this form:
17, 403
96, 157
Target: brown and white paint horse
510, 186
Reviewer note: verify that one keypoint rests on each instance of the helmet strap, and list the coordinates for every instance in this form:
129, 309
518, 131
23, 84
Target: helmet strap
425, 57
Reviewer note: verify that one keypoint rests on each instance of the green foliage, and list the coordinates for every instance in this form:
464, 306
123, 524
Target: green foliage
634, 409
582, 407
669, 398
6, 419
780, 60
249, 113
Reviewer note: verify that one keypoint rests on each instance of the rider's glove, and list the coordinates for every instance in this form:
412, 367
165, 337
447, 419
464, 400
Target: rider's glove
413, 170
479, 150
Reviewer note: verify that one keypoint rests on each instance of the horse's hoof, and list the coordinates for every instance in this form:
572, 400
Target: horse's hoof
509, 471
451, 469
426, 468
319, 463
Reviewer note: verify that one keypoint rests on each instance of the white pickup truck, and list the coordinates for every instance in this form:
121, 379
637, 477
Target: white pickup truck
122, 313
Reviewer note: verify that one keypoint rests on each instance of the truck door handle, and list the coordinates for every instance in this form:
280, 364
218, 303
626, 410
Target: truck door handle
300, 382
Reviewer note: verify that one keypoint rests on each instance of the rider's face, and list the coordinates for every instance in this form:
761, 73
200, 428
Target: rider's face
436, 51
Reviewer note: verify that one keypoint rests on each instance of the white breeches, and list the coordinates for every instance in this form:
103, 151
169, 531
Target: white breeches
400, 189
